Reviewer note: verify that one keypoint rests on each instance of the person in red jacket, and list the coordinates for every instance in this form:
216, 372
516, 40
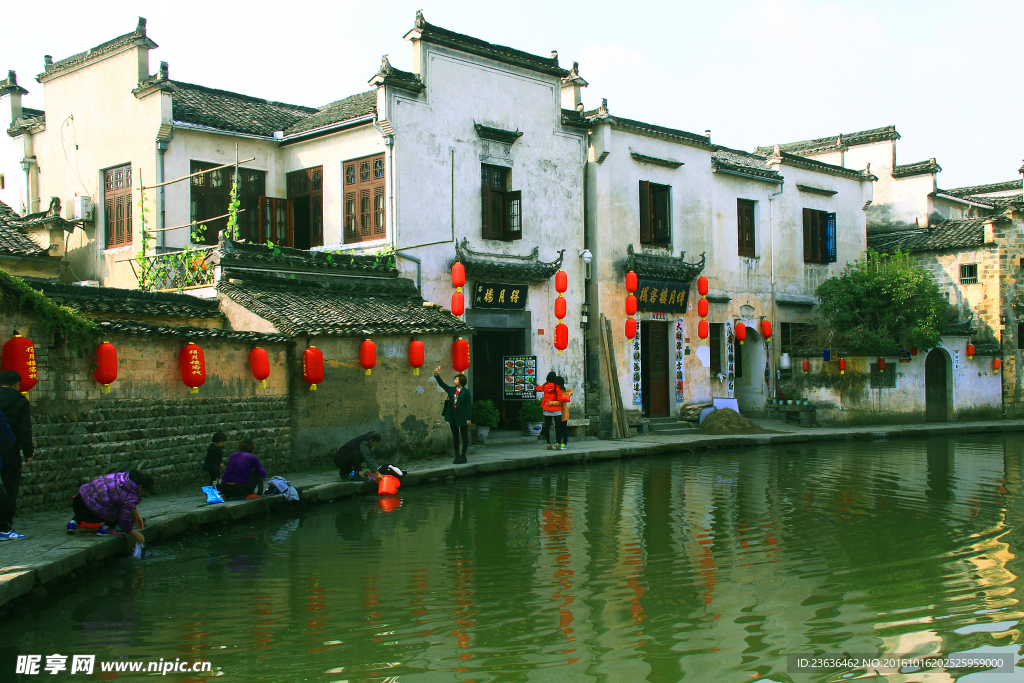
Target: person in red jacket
551, 406
564, 396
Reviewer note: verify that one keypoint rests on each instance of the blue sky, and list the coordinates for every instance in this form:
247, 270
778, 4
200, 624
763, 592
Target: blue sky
947, 74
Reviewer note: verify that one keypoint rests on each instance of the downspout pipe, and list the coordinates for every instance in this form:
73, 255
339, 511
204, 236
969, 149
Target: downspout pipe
161, 218
771, 247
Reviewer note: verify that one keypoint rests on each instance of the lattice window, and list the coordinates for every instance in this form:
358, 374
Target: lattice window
883, 379
969, 273
365, 207
117, 198
211, 197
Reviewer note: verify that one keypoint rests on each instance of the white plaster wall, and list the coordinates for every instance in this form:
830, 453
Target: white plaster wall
12, 151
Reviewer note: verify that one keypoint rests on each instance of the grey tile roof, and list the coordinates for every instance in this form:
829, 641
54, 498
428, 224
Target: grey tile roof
341, 307
674, 268
351, 107
483, 266
735, 161
1006, 186
389, 75
257, 256
977, 200
458, 41
12, 241
950, 234
29, 118
10, 84
648, 129
106, 301
224, 110
574, 119
916, 168
835, 142
136, 328
136, 36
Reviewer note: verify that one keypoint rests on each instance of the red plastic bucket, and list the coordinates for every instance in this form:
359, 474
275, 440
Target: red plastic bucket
388, 485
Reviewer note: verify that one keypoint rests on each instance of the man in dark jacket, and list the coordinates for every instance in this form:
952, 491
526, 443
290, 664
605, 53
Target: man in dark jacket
457, 412
18, 415
354, 453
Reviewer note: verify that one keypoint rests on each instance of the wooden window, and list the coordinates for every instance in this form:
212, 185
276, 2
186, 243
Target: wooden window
715, 333
819, 236
117, 204
211, 197
655, 214
501, 210
364, 199
306, 205
969, 273
275, 221
745, 227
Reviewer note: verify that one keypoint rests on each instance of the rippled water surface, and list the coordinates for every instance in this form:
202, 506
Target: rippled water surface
708, 567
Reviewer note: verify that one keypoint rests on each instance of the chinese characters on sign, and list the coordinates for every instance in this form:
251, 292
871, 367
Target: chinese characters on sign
634, 353
662, 296
520, 378
496, 295
679, 361
31, 362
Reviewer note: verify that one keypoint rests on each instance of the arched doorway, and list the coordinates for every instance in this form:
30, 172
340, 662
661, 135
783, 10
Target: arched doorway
749, 369
937, 376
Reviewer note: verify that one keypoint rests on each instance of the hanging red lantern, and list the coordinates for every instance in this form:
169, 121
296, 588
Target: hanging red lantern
561, 282
106, 366
260, 364
193, 367
702, 286
458, 304
842, 366
630, 328
741, 332
368, 355
458, 276
970, 350
702, 308
460, 355
881, 364
19, 354
560, 307
997, 363
766, 328
561, 336
913, 350
807, 365
313, 367
702, 329
416, 355
630, 305
631, 282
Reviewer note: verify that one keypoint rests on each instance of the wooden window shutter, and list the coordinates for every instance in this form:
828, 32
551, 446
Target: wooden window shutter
263, 219
661, 223
829, 246
513, 215
808, 255
365, 213
745, 226
490, 229
645, 212
378, 211
351, 219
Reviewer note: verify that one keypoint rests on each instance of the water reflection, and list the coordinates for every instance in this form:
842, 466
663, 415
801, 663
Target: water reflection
711, 567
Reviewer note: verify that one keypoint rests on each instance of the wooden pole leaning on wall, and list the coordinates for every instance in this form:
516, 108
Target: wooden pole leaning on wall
620, 425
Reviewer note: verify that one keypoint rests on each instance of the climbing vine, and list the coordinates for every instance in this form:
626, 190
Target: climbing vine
78, 331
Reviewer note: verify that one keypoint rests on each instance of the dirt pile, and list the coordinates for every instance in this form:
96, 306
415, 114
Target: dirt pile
728, 421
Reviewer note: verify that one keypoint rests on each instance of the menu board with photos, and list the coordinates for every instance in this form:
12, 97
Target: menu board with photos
520, 378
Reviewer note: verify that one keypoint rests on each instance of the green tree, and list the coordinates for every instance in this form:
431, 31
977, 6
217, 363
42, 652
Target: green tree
880, 305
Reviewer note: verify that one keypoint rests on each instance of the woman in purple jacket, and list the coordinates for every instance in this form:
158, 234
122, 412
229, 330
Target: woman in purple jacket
112, 500
244, 473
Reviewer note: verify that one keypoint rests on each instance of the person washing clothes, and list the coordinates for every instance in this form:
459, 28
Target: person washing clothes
244, 474
457, 412
110, 501
353, 454
214, 463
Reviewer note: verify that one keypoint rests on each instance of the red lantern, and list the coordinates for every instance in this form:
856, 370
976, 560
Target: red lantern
702, 286
970, 350
106, 366
367, 355
416, 355
702, 329
460, 355
561, 336
630, 305
313, 367
193, 367
807, 365
458, 276
842, 366
260, 364
19, 354
766, 328
560, 307
631, 282
881, 364
741, 332
561, 282
630, 328
458, 304
913, 350
997, 363
702, 308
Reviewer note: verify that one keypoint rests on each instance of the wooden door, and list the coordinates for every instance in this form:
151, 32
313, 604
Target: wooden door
935, 398
275, 221
656, 362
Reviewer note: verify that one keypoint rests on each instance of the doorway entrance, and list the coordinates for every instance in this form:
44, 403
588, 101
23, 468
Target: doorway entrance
749, 369
936, 386
489, 348
654, 369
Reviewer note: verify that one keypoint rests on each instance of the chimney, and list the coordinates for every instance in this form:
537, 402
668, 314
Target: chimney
571, 85
707, 134
163, 71
554, 56
47, 62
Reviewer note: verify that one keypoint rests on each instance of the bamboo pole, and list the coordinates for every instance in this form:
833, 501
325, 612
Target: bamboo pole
193, 175
188, 225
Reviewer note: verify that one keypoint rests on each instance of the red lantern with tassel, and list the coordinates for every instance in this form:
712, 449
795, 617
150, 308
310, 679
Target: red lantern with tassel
702, 308
368, 355
460, 355
106, 366
193, 367
766, 328
561, 337
313, 367
807, 365
881, 364
630, 305
260, 364
458, 276
560, 307
702, 286
631, 282
19, 354
842, 366
997, 363
630, 328
702, 329
458, 304
970, 350
913, 350
561, 282
416, 355
741, 332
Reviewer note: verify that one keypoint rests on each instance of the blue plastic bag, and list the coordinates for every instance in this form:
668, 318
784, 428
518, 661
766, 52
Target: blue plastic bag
212, 494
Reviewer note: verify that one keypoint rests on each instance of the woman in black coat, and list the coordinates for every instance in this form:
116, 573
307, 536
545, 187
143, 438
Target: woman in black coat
457, 411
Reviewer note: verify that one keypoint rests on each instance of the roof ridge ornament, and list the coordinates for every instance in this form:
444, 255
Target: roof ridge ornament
420, 21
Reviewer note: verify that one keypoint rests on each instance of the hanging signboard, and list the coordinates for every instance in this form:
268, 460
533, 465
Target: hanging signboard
520, 378
662, 296
510, 297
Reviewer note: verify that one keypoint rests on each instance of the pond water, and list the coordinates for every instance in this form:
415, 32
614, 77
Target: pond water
708, 567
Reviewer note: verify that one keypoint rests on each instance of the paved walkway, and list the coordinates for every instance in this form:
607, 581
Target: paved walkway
49, 552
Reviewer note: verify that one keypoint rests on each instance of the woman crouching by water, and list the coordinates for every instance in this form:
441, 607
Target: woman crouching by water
110, 501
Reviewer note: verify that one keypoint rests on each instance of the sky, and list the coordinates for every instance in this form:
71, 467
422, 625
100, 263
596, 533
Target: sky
754, 72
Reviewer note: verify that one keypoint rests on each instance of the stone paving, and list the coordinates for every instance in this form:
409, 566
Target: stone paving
49, 553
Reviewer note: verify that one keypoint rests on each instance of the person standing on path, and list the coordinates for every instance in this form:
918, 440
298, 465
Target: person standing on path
6, 507
551, 406
18, 414
564, 396
353, 454
214, 463
457, 412
244, 474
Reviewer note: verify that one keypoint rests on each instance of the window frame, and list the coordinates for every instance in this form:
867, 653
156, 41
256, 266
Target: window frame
216, 200
716, 344
501, 209
363, 199
112, 198
655, 214
746, 235
966, 276
820, 239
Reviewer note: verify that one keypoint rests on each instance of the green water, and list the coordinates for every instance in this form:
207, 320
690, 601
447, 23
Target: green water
709, 567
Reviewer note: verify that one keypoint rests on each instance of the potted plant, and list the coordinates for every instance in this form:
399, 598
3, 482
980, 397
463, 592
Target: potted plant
531, 417
485, 415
